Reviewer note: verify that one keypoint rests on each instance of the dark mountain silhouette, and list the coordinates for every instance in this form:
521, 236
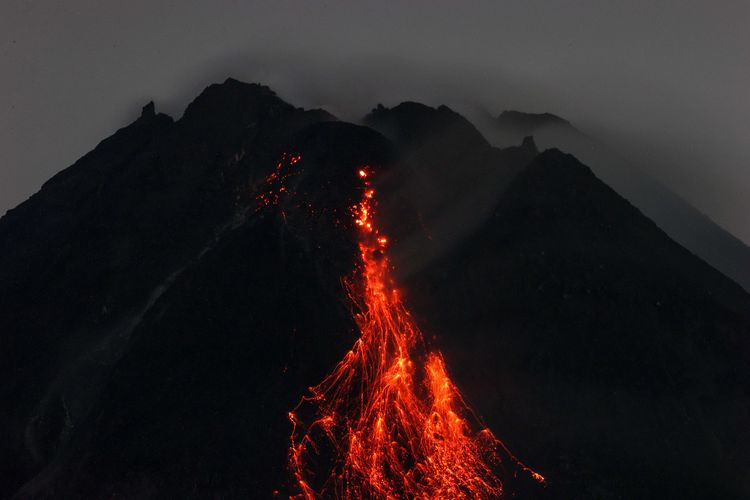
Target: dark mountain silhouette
445, 181
156, 327
88, 256
680, 220
625, 360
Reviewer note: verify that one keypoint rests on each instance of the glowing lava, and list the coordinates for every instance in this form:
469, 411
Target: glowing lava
388, 422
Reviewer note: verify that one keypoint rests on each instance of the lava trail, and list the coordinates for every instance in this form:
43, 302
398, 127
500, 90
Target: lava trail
388, 422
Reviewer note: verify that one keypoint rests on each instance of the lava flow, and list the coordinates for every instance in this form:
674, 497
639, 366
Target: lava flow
388, 422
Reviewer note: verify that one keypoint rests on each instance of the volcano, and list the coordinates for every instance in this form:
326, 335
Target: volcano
257, 300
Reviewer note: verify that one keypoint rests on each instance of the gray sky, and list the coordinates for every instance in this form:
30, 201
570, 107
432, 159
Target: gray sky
665, 80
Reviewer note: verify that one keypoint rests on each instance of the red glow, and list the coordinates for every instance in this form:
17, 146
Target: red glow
388, 421
276, 180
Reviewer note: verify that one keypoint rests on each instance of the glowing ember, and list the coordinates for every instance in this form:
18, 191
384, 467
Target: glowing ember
276, 180
388, 421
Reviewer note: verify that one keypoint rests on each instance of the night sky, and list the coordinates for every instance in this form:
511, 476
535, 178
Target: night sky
664, 82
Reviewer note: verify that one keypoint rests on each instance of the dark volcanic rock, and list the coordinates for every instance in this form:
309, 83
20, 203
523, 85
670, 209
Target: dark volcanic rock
445, 181
198, 405
614, 357
88, 255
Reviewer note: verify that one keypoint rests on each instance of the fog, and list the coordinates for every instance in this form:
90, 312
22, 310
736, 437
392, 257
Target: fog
665, 84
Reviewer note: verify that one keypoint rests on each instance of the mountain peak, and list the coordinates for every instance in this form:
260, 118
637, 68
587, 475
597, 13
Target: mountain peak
412, 123
148, 110
231, 94
232, 108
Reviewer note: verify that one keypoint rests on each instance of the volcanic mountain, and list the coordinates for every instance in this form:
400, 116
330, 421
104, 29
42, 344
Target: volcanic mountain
162, 311
675, 216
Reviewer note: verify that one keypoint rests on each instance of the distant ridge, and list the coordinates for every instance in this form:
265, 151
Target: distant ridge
680, 220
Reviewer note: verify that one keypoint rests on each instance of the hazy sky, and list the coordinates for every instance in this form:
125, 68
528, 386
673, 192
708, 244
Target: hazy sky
665, 81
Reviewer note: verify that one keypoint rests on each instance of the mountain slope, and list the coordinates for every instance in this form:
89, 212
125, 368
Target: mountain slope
88, 255
680, 220
569, 315
446, 174
197, 406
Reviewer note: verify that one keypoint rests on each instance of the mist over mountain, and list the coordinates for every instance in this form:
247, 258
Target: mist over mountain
681, 221
156, 328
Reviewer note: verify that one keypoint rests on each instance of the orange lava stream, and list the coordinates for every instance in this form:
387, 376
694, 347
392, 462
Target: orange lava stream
388, 422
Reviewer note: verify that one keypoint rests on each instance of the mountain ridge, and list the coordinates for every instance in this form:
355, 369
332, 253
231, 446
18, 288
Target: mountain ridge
683, 222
